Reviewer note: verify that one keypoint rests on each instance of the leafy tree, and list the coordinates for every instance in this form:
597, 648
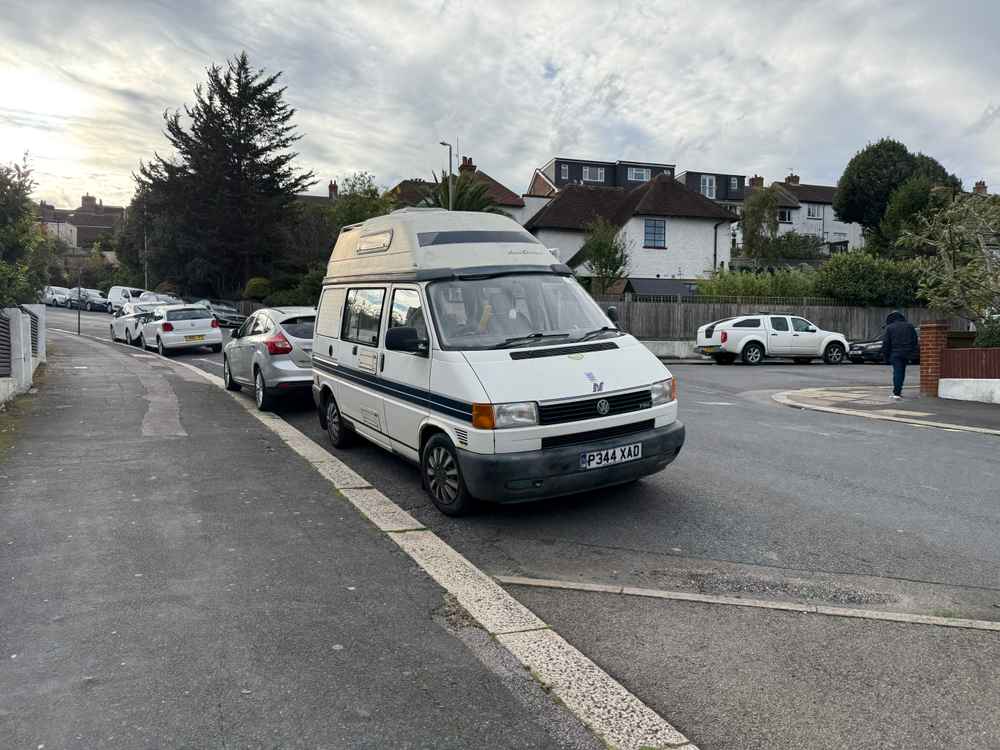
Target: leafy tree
860, 278
24, 256
257, 288
606, 255
875, 173
785, 283
220, 210
305, 292
359, 199
760, 222
963, 276
470, 194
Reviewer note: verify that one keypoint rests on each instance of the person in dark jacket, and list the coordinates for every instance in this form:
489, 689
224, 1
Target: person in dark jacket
899, 345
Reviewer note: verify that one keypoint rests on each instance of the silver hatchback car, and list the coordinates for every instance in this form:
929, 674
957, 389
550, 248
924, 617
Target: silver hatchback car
272, 353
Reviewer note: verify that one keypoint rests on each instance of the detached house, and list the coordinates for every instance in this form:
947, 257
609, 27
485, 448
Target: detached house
673, 234
808, 209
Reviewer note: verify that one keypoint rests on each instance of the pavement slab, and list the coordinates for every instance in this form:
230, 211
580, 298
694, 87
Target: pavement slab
210, 589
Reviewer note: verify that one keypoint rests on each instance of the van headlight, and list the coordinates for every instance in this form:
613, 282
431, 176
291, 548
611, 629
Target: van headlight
664, 391
523, 414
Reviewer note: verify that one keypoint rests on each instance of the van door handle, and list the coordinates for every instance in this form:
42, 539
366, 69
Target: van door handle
381, 362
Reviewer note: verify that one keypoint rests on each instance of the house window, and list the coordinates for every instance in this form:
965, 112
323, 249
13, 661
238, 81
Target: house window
708, 185
814, 212
734, 184
593, 174
656, 233
639, 174
784, 216
564, 171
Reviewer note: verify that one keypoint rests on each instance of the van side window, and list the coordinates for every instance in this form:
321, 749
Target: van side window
407, 311
363, 316
328, 313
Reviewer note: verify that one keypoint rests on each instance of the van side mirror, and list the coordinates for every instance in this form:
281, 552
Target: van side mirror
613, 314
405, 339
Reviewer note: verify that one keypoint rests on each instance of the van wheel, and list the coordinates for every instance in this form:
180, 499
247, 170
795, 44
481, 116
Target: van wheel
341, 436
834, 354
227, 376
442, 477
753, 353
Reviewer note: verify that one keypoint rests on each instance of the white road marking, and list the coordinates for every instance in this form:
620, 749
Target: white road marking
736, 601
209, 361
604, 705
715, 403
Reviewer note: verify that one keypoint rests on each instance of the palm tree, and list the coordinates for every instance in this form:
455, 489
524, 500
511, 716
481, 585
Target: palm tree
470, 194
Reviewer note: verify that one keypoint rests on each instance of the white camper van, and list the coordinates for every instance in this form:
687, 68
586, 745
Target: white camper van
458, 341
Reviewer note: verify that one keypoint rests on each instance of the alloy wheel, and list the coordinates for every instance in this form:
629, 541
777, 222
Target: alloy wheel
258, 389
442, 475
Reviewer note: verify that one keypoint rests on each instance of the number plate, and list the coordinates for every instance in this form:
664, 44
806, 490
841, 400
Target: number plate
709, 349
194, 338
620, 455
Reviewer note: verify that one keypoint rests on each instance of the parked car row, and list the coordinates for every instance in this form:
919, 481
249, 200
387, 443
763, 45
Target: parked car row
167, 328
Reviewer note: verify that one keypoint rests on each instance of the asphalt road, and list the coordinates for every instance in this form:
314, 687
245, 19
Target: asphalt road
764, 501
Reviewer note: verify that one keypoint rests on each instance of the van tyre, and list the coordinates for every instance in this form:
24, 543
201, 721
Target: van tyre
441, 476
341, 436
227, 376
724, 359
263, 399
834, 354
753, 353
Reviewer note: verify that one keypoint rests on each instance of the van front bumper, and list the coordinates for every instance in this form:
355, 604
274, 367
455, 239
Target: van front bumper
550, 472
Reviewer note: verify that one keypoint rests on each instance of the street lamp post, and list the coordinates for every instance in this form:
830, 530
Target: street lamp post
451, 182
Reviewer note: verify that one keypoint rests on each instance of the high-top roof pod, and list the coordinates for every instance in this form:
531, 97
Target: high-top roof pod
427, 243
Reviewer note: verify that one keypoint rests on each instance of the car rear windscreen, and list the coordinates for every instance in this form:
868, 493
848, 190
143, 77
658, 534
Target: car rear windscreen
192, 313
301, 327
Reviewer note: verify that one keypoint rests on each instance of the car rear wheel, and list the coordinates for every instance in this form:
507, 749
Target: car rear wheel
341, 436
261, 397
112, 333
128, 337
834, 354
753, 353
216, 348
160, 348
227, 376
442, 477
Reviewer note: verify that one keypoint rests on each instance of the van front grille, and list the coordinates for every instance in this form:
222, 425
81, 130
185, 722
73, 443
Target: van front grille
573, 411
591, 436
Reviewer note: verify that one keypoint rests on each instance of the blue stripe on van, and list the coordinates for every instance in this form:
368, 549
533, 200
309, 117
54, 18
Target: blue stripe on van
435, 402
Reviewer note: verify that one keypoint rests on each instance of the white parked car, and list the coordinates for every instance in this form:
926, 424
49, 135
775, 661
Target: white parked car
56, 295
173, 328
752, 338
128, 321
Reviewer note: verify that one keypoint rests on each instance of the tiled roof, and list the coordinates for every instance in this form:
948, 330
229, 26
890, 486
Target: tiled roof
501, 194
541, 186
810, 193
665, 196
412, 192
576, 207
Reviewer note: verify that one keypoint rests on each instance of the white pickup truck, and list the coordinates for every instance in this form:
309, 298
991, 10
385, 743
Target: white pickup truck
754, 337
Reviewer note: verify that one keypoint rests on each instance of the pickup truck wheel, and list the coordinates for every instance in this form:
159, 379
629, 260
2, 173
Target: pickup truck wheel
442, 477
724, 359
834, 354
753, 353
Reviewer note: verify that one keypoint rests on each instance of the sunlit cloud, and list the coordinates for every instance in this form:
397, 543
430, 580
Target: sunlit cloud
730, 86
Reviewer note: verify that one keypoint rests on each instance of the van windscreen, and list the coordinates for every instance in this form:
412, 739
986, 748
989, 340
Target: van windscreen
474, 236
522, 309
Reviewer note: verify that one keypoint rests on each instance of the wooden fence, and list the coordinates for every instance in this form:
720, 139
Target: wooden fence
678, 318
970, 363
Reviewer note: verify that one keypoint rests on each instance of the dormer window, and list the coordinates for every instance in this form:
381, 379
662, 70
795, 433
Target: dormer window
708, 185
593, 174
639, 174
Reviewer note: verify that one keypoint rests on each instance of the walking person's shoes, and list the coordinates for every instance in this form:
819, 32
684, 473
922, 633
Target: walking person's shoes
896, 398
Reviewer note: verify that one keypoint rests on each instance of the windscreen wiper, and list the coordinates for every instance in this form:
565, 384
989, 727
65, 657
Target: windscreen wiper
537, 336
598, 331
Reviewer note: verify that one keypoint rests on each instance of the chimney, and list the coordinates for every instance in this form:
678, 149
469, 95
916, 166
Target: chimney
88, 203
756, 182
792, 179
466, 165
980, 188
332, 190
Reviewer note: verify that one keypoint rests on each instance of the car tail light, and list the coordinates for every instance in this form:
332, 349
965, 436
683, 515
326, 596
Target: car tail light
167, 327
277, 344
215, 323
724, 337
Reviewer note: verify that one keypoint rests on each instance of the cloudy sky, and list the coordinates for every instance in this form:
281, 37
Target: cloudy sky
727, 86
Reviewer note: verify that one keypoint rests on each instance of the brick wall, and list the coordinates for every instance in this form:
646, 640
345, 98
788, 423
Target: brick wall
933, 341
